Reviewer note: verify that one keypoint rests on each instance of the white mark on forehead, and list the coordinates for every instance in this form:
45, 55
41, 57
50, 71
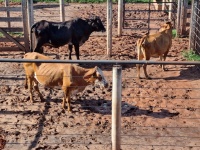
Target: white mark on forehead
100, 72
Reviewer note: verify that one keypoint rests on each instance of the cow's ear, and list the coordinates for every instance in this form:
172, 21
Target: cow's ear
89, 74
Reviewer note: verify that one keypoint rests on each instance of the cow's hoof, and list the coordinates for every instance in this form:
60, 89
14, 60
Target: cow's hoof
148, 78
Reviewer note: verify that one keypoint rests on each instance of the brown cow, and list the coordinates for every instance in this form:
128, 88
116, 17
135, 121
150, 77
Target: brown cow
70, 77
154, 45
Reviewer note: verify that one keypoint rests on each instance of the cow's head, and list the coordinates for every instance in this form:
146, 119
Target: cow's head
95, 76
165, 26
97, 24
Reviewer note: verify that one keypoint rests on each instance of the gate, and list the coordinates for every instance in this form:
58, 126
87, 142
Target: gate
14, 28
142, 17
195, 27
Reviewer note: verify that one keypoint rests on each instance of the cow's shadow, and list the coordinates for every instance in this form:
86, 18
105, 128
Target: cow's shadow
104, 107
190, 73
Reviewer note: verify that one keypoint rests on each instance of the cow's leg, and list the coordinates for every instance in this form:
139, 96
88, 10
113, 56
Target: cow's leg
138, 66
38, 91
30, 87
25, 83
66, 98
138, 70
161, 58
145, 67
164, 58
70, 51
77, 50
40, 42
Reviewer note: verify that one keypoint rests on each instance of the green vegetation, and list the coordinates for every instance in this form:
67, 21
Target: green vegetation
14, 34
190, 55
174, 33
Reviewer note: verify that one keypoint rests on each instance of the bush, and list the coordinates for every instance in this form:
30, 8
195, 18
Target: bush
191, 55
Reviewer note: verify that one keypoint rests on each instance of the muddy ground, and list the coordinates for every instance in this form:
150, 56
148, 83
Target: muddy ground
162, 113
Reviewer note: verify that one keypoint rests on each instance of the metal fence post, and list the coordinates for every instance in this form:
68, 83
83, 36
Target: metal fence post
30, 22
120, 17
192, 21
62, 10
116, 107
109, 28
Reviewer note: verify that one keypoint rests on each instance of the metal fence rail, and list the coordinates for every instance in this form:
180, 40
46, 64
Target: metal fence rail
147, 21
47, 126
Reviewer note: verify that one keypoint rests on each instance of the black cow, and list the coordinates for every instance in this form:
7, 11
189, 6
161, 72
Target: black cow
73, 32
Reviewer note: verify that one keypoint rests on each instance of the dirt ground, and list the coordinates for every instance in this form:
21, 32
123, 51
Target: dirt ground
162, 113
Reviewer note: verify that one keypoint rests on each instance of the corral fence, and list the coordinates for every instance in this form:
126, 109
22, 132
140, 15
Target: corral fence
178, 11
148, 21
14, 28
129, 134
195, 26
16, 22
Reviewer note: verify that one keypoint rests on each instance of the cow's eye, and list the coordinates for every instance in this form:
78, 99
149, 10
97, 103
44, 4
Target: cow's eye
100, 78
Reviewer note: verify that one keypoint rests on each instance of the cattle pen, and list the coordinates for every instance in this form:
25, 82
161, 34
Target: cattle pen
178, 11
121, 136
157, 114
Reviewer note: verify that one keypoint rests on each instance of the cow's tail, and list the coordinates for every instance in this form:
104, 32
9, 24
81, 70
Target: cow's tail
139, 47
31, 37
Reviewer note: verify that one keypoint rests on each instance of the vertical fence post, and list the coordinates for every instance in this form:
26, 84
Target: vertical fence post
109, 27
30, 14
62, 11
25, 24
116, 107
170, 10
163, 5
7, 12
183, 14
30, 21
192, 21
120, 16
178, 19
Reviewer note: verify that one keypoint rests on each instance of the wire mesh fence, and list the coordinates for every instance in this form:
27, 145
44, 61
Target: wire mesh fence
195, 26
156, 114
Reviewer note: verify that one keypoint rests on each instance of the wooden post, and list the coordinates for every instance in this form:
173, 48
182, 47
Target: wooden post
170, 9
178, 19
30, 22
7, 13
163, 4
25, 25
191, 33
30, 14
109, 28
183, 16
116, 107
62, 10
120, 16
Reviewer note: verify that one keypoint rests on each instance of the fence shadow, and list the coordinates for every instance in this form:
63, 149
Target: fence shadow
191, 73
104, 107
34, 143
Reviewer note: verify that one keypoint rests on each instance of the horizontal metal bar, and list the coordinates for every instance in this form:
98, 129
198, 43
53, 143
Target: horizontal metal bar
148, 2
128, 10
152, 19
140, 28
114, 62
11, 19
10, 8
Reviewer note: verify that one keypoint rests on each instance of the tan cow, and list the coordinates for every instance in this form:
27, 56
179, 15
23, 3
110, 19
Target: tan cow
70, 77
154, 45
